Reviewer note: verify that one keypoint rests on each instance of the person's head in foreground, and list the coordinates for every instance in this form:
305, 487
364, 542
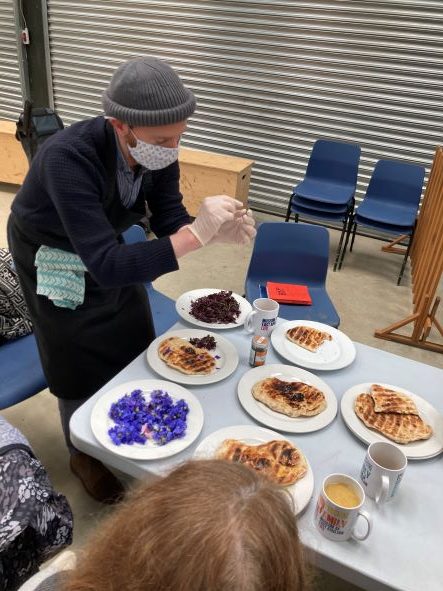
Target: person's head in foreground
208, 526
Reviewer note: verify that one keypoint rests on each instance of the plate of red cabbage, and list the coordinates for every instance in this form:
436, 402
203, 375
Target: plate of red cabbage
213, 308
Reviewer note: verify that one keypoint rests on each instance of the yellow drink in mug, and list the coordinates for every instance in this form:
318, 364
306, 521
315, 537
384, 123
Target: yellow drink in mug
342, 494
339, 506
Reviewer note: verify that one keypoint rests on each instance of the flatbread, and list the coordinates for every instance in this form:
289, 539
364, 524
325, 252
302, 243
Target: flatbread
294, 399
400, 428
279, 460
386, 400
181, 355
307, 337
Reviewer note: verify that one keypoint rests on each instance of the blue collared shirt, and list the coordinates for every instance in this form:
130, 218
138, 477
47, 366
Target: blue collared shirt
128, 180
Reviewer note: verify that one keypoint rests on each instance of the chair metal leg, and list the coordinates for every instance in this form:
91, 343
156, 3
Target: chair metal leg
354, 231
402, 270
338, 253
346, 229
350, 221
288, 213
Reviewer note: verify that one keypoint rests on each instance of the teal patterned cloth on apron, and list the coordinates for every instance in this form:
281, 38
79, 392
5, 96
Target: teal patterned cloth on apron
60, 277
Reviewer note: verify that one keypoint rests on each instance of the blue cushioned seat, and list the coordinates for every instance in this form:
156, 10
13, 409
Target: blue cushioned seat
320, 207
21, 371
325, 191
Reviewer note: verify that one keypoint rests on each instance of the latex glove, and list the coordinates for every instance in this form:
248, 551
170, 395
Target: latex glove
213, 213
240, 230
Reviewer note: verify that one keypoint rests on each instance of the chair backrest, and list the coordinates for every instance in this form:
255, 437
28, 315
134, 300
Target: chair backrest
400, 182
290, 253
334, 161
134, 234
137, 234
163, 311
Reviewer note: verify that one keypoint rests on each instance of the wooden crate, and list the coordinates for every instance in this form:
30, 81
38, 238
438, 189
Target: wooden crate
13, 161
205, 173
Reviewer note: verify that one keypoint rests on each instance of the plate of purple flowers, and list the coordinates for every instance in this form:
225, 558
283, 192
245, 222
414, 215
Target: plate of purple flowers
222, 350
147, 419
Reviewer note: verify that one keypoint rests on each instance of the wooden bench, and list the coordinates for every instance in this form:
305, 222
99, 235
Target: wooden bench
202, 173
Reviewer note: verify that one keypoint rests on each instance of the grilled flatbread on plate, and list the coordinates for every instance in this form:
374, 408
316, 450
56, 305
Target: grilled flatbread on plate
400, 428
294, 399
386, 400
307, 337
181, 355
279, 460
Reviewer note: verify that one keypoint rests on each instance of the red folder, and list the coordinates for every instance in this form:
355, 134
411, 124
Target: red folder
288, 293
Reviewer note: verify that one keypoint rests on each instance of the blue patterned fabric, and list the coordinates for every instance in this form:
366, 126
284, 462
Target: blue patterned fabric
60, 277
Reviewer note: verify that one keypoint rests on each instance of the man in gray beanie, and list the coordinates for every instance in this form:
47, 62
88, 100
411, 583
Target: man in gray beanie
86, 185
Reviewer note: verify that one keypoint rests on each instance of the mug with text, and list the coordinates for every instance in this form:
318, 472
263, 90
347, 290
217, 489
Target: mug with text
339, 507
261, 321
383, 470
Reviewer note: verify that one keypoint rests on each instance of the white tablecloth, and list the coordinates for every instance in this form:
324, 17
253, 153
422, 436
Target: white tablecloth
405, 549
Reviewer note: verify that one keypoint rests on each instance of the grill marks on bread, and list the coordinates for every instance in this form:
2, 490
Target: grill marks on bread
278, 460
181, 355
294, 399
401, 428
307, 337
386, 400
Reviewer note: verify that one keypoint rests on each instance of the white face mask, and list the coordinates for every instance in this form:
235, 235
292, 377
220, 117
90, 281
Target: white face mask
151, 156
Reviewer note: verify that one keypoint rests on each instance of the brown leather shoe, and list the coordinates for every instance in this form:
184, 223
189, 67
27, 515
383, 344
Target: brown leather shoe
98, 481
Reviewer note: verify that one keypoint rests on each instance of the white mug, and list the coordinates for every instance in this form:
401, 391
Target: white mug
263, 317
335, 521
383, 470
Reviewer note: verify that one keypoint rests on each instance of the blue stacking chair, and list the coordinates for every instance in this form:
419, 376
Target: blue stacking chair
328, 190
390, 204
293, 253
21, 371
163, 309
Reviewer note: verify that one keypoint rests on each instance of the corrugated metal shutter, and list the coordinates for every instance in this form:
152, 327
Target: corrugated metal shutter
270, 77
11, 100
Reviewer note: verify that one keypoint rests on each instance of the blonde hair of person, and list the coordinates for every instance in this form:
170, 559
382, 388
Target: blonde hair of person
209, 525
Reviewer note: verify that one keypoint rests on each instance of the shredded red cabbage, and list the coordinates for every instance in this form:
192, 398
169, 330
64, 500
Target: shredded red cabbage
216, 308
207, 342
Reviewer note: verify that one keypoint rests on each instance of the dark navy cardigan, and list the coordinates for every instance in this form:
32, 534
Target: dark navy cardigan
61, 204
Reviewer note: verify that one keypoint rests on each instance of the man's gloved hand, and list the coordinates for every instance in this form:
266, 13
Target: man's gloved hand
213, 213
240, 230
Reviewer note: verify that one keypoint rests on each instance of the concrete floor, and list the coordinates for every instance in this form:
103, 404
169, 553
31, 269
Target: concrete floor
364, 293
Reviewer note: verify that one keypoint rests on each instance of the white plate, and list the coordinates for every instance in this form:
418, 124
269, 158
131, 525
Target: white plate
301, 491
277, 420
334, 354
225, 364
416, 450
101, 422
183, 305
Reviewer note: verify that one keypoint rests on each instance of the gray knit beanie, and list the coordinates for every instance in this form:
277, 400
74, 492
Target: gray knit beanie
147, 92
